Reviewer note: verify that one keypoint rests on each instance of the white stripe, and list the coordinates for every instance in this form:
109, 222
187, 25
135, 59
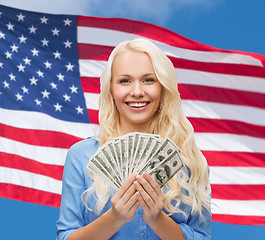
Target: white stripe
94, 68
229, 142
107, 37
237, 175
207, 110
47, 155
241, 208
31, 120
30, 180
240, 83
92, 100
203, 109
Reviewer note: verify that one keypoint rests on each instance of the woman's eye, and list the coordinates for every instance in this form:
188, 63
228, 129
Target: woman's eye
124, 81
149, 80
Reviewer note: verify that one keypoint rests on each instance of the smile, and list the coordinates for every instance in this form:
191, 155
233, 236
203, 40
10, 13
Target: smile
137, 104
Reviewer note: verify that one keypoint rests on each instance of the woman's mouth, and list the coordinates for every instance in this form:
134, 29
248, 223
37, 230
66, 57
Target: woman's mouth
137, 104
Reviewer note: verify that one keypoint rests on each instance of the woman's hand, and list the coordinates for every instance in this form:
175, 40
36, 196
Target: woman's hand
150, 197
124, 202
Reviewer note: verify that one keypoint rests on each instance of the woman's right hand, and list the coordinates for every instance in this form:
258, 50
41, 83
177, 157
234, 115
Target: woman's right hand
124, 202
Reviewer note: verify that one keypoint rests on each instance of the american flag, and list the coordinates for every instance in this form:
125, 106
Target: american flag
49, 85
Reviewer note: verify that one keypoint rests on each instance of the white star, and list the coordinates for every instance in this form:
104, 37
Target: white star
14, 48
55, 31
8, 55
69, 67
19, 97
60, 77
22, 39
58, 107
57, 55
33, 81
79, 110
2, 35
32, 29
67, 97
10, 26
38, 102
21, 68
54, 86
6, 84
48, 65
21, 17
73, 89
45, 94
1, 65
40, 73
35, 52
67, 22
27, 61
12, 77
44, 20
44, 42
67, 44
25, 90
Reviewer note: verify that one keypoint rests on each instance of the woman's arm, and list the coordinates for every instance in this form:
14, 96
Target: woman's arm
151, 198
124, 206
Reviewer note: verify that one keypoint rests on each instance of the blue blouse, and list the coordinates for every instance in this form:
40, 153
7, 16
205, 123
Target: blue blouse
74, 215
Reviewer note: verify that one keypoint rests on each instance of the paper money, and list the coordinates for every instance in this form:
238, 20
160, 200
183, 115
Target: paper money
137, 152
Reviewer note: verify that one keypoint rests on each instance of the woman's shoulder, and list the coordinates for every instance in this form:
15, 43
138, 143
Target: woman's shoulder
83, 150
85, 144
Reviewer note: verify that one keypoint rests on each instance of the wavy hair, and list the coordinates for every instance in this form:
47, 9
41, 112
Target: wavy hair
189, 187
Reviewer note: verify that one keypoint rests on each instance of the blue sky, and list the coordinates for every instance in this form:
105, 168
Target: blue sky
236, 25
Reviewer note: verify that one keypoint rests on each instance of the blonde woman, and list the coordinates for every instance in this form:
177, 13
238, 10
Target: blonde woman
138, 94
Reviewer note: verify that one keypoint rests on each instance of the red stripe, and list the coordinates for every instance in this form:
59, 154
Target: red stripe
222, 95
235, 219
101, 53
29, 195
18, 162
234, 159
93, 116
227, 126
94, 52
38, 137
225, 68
236, 192
90, 84
145, 30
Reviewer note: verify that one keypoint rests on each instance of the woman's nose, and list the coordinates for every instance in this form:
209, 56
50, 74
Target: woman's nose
137, 89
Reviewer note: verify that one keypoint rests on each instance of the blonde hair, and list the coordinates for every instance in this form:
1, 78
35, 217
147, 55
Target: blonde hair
191, 188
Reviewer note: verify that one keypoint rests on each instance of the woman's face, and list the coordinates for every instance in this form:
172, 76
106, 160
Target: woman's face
135, 90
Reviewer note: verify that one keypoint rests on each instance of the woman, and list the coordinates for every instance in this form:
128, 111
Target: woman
138, 94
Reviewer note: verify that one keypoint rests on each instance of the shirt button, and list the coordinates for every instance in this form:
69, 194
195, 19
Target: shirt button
142, 233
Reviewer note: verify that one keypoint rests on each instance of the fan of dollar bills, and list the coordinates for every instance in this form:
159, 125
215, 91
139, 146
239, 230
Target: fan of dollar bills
136, 152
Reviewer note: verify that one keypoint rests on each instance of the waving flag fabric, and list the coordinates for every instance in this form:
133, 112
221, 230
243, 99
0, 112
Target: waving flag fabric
49, 85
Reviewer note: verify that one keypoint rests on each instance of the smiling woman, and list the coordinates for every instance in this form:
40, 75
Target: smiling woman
138, 94
136, 90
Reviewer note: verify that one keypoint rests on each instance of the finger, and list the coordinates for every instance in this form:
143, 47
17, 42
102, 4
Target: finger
128, 199
125, 186
134, 207
147, 187
146, 198
141, 201
153, 183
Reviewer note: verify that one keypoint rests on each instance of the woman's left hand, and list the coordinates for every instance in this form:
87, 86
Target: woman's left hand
150, 197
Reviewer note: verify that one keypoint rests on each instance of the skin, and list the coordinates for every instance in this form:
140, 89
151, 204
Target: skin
136, 92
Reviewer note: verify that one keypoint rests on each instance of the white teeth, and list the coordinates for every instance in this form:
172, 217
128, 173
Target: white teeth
137, 105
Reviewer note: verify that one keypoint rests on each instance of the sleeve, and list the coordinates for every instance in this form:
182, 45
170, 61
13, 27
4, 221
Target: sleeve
72, 207
197, 228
